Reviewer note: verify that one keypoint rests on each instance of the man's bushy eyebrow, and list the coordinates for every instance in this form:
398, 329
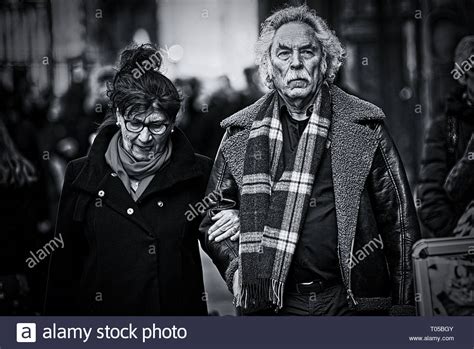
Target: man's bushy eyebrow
283, 47
305, 46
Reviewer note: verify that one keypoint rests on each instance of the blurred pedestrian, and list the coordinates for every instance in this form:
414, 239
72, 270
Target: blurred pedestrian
446, 186
18, 226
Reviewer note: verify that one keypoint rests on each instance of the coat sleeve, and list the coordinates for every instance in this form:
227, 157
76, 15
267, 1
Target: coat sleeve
396, 219
459, 185
436, 210
224, 254
65, 264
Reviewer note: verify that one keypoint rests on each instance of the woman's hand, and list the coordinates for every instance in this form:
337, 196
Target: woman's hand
227, 224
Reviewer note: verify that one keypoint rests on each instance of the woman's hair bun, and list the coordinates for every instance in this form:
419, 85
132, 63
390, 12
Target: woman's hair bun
137, 55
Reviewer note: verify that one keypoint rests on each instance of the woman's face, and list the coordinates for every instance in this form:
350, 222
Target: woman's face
145, 135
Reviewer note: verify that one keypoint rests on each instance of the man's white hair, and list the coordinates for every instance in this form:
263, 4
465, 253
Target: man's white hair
332, 51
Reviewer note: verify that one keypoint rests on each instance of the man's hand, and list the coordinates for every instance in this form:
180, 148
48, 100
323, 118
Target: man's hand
227, 224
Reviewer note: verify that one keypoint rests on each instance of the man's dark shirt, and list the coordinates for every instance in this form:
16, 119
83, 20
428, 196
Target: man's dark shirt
315, 256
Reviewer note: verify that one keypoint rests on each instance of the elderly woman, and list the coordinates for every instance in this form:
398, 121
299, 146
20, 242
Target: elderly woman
124, 243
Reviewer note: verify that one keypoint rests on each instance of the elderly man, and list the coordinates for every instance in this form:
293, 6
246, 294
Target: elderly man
327, 220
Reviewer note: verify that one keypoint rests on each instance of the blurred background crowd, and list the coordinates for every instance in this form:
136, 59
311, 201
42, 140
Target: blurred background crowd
57, 56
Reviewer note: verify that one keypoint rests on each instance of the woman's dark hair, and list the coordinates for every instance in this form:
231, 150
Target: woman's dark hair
139, 87
15, 170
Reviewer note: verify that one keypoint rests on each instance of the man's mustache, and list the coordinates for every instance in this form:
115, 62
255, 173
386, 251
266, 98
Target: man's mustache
297, 76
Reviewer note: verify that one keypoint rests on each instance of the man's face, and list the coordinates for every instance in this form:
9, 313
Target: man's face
295, 57
138, 141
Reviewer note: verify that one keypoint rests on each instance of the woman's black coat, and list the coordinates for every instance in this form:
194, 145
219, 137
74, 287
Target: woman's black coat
122, 257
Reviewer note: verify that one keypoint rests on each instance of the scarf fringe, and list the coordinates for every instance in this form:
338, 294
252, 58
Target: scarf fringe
261, 294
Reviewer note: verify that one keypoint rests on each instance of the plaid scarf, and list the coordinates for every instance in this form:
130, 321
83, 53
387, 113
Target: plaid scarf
274, 201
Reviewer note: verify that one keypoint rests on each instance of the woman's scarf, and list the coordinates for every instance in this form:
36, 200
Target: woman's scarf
274, 202
128, 169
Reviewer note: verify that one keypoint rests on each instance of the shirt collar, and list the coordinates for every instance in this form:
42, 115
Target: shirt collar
283, 108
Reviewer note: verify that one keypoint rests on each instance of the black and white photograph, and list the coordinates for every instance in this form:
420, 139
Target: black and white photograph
235, 158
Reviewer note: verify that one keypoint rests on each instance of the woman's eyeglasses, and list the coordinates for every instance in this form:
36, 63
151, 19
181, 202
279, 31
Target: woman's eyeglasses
154, 127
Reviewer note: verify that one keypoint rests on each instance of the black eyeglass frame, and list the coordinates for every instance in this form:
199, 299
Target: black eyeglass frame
143, 125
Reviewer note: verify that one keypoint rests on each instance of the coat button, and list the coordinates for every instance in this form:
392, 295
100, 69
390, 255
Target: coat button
130, 211
113, 174
160, 203
101, 193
